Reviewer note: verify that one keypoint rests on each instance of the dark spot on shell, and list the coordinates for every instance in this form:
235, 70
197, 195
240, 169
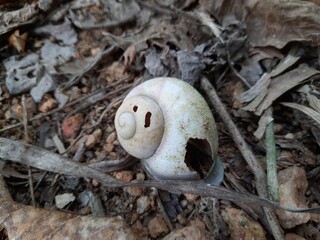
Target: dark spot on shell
147, 120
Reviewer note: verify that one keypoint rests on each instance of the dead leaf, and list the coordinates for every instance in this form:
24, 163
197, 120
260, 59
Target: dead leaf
129, 56
18, 41
270, 23
310, 119
278, 86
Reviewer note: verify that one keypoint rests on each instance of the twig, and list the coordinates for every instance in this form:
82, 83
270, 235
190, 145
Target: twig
26, 139
260, 176
42, 115
163, 211
206, 20
273, 185
45, 160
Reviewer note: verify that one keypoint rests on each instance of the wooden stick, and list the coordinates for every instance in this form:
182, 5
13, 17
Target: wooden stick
260, 176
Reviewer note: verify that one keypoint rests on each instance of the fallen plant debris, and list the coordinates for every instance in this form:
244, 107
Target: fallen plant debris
65, 69
33, 156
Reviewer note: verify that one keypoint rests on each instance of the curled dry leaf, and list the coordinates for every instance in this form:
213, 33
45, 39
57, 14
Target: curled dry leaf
18, 41
312, 118
309, 111
278, 86
129, 56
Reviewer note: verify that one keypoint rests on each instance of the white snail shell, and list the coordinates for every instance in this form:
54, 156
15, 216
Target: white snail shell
157, 119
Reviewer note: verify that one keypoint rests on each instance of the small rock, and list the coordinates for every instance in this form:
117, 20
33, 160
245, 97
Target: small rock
108, 147
292, 187
64, 199
289, 136
135, 191
292, 236
16, 111
182, 220
90, 141
71, 126
95, 182
241, 226
193, 232
157, 227
139, 230
93, 139
48, 103
184, 203
125, 176
111, 137
143, 204
191, 197
140, 177
85, 211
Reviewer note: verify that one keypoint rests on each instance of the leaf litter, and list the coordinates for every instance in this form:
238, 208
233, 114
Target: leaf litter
84, 56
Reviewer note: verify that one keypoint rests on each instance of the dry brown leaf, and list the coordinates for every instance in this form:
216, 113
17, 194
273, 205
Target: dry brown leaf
281, 84
273, 22
278, 86
18, 41
27, 222
129, 56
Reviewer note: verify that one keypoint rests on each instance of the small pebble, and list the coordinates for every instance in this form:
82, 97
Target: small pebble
182, 220
111, 137
135, 191
108, 147
289, 136
125, 176
47, 104
140, 230
71, 126
140, 177
191, 197
95, 183
143, 204
157, 227
184, 203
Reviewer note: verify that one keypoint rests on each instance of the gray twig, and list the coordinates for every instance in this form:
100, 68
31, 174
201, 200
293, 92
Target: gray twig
45, 160
260, 176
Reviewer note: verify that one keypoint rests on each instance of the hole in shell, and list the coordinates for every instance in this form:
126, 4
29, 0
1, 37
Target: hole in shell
135, 108
147, 120
198, 156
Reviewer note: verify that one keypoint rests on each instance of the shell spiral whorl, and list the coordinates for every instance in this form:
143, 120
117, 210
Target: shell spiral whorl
127, 125
139, 124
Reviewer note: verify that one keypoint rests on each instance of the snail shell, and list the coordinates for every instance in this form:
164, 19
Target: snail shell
156, 122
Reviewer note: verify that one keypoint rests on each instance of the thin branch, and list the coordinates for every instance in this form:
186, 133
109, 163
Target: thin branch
45, 160
260, 176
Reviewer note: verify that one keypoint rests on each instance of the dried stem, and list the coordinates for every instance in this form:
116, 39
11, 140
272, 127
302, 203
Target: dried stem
273, 185
45, 160
260, 176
